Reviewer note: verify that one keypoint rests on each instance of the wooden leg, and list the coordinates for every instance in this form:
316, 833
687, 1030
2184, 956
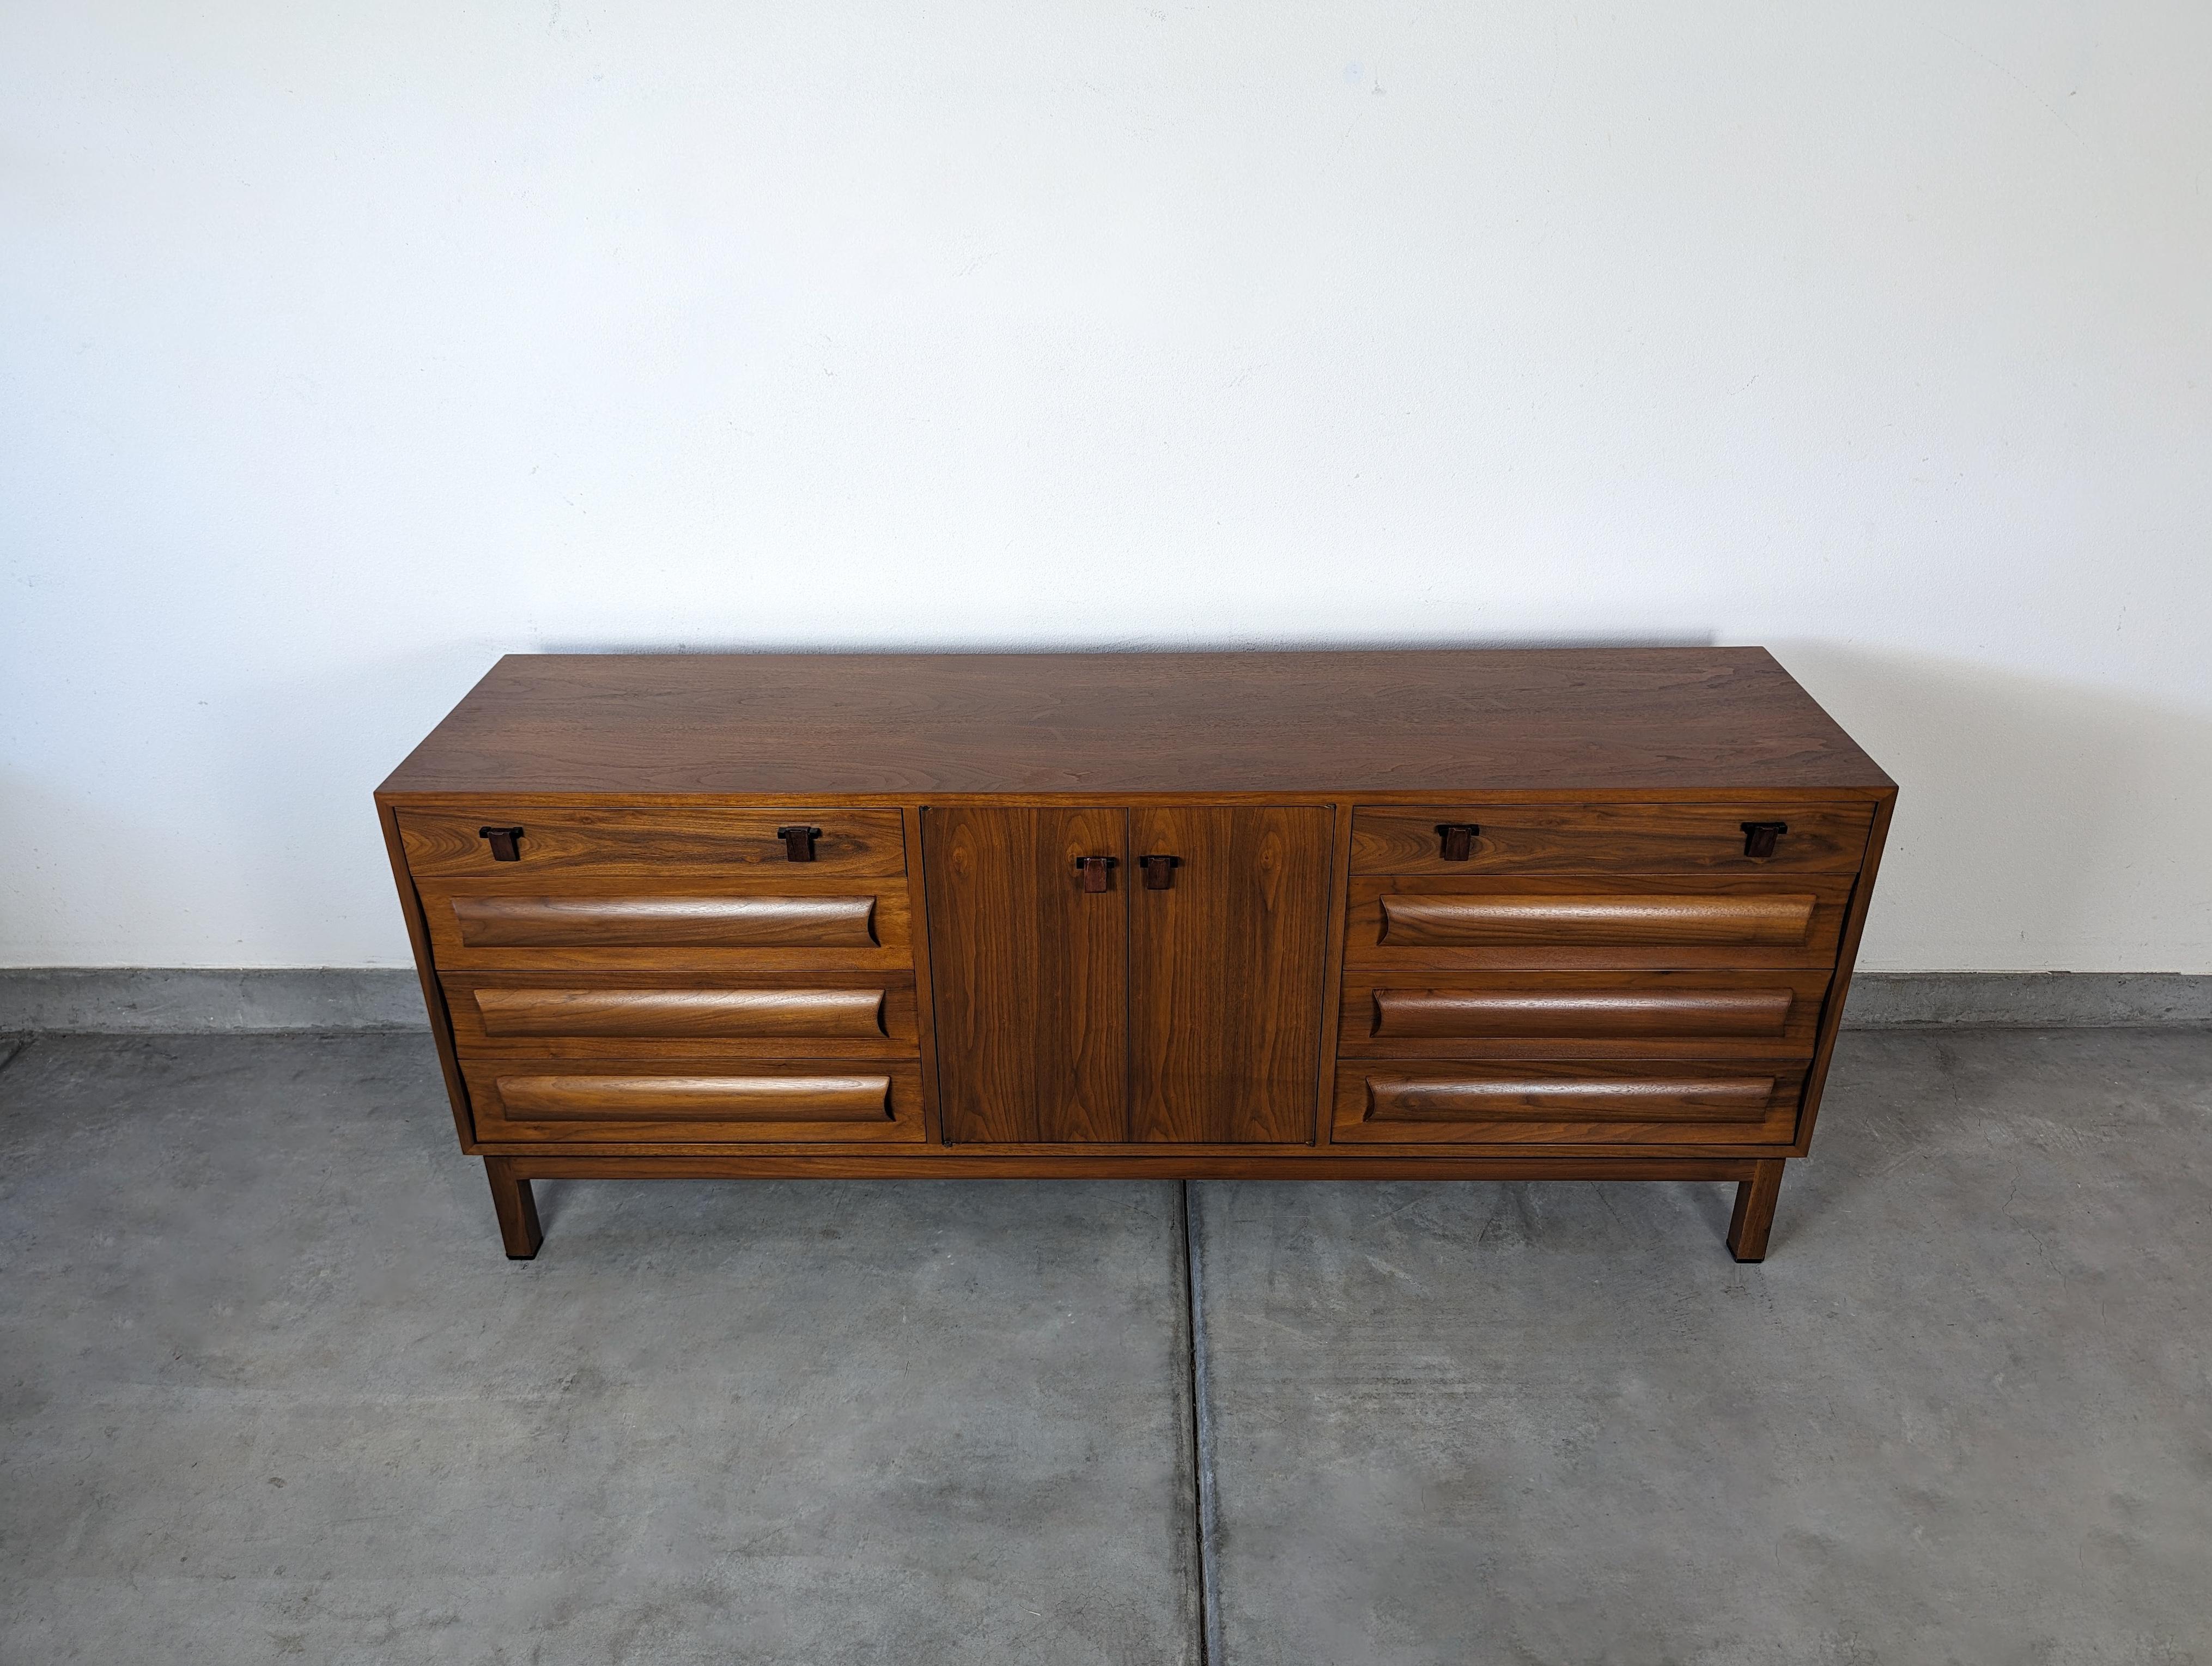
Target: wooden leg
518, 1209
1754, 1210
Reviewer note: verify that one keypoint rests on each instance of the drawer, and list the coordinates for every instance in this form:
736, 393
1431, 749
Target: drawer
658, 1101
845, 1014
1555, 1103
673, 922
1581, 1015
1625, 921
1609, 838
646, 844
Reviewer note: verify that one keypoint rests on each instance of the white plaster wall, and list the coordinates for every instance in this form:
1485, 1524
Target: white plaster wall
347, 346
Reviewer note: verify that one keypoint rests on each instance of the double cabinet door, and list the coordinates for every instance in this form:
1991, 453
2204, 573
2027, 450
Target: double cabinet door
1111, 976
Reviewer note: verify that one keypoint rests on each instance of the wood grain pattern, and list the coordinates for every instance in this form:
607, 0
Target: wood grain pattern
924, 1014
1582, 1015
426, 972
848, 1014
1754, 1218
723, 1099
1474, 1013
1031, 974
1608, 985
616, 1162
1455, 1098
1449, 922
1554, 1103
653, 922
657, 842
609, 1015
811, 728
706, 924
1225, 974
652, 1101
516, 1208
1609, 838
1847, 954
1595, 922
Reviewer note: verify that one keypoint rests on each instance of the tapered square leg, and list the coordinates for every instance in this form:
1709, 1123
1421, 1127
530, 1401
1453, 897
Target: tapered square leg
518, 1209
1754, 1210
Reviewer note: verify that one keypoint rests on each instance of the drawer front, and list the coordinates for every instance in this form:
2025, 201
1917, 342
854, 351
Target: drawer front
1554, 1102
1582, 1015
842, 1014
645, 844
656, 1102
672, 922
1607, 838
1625, 920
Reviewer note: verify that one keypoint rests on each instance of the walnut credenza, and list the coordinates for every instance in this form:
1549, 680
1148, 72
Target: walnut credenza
1464, 915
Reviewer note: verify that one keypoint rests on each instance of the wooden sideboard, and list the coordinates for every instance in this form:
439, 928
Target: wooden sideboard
1581, 914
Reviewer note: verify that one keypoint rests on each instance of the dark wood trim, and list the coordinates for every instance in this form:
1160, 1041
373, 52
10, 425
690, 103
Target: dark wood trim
1068, 1159
926, 1010
1332, 987
967, 1164
1740, 797
512, 1200
434, 994
1847, 959
1753, 1217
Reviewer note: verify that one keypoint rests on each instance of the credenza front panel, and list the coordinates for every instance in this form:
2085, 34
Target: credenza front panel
1109, 975
1225, 973
1031, 971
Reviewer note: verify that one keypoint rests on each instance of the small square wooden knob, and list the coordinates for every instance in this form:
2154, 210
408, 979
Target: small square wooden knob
1458, 840
1759, 837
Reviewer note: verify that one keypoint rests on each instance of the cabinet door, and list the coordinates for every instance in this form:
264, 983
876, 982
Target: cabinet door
1031, 972
1226, 965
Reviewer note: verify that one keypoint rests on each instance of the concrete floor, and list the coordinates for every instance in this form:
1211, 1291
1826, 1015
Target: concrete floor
268, 1389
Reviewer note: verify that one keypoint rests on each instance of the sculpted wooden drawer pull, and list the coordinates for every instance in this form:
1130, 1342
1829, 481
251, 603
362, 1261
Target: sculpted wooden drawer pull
1400, 1098
705, 1098
1096, 871
798, 843
827, 1014
1471, 1012
1421, 921
1759, 837
503, 842
1159, 871
666, 921
1458, 840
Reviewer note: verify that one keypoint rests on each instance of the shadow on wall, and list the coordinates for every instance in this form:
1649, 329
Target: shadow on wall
2041, 825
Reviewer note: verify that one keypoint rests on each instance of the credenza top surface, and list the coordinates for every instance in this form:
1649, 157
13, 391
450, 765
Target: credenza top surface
1658, 719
